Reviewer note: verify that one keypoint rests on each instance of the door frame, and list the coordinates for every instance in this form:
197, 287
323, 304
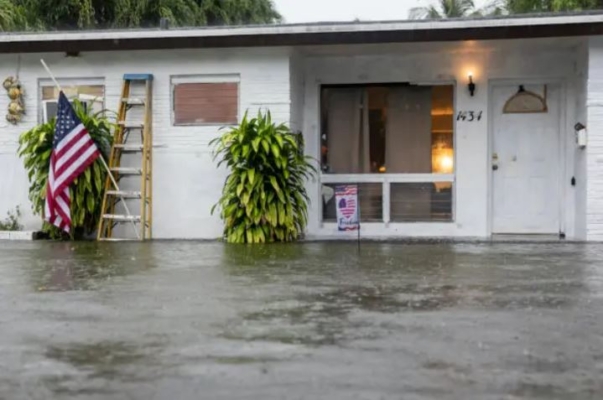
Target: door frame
561, 169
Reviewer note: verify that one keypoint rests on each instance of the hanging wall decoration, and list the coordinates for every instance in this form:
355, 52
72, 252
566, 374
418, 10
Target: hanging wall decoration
525, 101
16, 107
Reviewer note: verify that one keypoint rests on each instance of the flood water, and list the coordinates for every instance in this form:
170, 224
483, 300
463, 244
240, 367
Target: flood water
190, 320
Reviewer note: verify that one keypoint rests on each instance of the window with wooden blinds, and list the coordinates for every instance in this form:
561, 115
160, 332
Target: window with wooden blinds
202, 103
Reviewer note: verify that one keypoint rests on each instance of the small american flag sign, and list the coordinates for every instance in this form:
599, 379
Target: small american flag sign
346, 197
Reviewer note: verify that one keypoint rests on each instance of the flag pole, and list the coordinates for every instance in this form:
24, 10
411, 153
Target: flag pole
101, 157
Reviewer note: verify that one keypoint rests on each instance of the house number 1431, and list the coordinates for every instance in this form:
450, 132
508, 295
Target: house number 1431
469, 116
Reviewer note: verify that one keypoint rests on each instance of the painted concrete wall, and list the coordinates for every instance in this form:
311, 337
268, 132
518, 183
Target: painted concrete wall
491, 63
186, 182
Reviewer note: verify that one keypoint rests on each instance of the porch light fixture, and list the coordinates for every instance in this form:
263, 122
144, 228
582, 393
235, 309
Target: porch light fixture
471, 85
580, 135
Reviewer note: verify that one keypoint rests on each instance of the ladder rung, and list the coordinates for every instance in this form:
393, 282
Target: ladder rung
129, 148
131, 125
127, 171
125, 194
132, 101
122, 218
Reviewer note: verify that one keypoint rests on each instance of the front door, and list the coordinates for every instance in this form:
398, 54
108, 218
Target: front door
526, 165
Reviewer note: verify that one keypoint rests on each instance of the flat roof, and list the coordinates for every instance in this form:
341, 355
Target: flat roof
320, 33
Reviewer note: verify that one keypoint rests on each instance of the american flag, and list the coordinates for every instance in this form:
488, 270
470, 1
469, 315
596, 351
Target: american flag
72, 152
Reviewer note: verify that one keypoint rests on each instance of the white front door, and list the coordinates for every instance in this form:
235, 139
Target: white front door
525, 151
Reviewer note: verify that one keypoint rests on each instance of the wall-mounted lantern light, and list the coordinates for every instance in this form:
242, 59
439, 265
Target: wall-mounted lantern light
581, 138
471, 85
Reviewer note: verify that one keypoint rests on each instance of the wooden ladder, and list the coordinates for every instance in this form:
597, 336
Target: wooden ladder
130, 158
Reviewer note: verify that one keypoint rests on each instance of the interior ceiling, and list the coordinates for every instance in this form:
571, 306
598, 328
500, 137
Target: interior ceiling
441, 99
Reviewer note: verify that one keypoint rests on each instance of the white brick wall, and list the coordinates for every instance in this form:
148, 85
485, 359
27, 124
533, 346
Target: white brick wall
186, 182
594, 150
297, 90
581, 82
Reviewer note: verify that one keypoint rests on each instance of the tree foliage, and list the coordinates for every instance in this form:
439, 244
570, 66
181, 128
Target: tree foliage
444, 9
534, 6
35, 147
89, 14
264, 198
466, 8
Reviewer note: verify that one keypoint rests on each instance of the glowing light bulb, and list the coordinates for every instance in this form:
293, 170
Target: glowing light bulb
446, 163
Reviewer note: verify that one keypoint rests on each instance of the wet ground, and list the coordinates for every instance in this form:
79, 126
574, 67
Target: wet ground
187, 320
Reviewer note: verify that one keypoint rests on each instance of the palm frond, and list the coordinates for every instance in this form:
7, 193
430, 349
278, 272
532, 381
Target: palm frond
444, 9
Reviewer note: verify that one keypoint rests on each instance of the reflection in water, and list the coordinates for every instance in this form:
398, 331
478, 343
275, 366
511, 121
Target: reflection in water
84, 266
102, 360
99, 362
248, 260
327, 284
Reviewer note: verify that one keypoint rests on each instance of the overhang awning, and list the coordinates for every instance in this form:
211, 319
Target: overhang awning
531, 26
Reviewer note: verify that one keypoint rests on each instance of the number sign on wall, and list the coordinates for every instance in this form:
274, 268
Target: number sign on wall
469, 116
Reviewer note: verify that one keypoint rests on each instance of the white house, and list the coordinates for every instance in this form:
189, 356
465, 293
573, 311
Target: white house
457, 128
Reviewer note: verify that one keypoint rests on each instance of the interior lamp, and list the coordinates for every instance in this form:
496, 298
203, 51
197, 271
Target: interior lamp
443, 160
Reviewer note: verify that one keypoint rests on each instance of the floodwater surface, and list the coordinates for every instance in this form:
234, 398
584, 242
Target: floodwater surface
189, 320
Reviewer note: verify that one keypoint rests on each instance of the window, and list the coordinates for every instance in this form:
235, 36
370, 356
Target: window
395, 141
206, 100
90, 92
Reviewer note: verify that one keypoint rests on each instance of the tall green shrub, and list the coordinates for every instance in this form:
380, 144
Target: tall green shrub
264, 198
35, 147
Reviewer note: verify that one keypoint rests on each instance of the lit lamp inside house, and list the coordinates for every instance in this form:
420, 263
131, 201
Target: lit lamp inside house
442, 161
442, 134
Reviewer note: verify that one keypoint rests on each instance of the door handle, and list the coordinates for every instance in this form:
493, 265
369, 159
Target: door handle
495, 162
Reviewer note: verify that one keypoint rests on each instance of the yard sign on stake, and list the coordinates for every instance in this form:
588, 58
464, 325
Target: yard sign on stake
346, 198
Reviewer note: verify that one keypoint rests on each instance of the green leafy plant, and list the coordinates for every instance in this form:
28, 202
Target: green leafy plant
11, 222
264, 198
35, 147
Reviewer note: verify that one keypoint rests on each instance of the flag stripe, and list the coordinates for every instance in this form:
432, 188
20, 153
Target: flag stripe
67, 139
73, 147
76, 168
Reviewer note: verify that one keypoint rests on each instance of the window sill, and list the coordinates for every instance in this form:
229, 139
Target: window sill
391, 230
392, 223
